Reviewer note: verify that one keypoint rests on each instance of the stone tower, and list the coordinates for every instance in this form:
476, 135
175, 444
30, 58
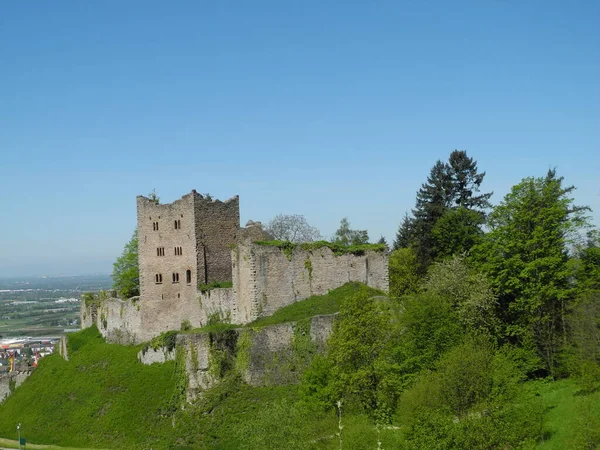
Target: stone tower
184, 244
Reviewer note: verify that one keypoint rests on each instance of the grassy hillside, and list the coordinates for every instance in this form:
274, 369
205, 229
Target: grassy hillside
104, 398
101, 397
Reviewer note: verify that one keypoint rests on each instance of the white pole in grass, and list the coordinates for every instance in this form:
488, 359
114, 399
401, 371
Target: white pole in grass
19, 431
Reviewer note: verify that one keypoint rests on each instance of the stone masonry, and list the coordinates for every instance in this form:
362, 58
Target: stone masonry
197, 240
182, 245
266, 279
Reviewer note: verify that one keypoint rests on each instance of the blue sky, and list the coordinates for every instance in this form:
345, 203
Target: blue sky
321, 108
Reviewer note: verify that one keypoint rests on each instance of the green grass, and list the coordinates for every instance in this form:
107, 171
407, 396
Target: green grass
572, 418
104, 398
101, 397
313, 306
9, 443
316, 305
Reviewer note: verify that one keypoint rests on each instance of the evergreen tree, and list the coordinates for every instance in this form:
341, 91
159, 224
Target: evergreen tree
449, 186
465, 182
433, 199
404, 234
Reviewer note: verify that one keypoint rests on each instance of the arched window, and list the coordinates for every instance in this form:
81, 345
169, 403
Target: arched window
188, 276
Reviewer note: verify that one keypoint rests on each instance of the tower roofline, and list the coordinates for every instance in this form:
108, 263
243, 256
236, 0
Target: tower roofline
193, 193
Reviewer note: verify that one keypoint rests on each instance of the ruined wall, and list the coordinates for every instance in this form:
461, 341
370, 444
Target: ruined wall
11, 380
63, 349
217, 224
196, 310
133, 321
266, 278
119, 321
271, 355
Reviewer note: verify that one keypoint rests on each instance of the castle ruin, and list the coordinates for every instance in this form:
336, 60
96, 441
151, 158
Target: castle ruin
186, 245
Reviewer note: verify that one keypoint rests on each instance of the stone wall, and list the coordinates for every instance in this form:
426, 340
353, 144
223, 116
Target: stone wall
133, 321
271, 355
119, 321
15, 378
265, 278
63, 349
217, 224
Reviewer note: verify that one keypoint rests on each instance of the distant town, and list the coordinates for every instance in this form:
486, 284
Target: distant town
22, 354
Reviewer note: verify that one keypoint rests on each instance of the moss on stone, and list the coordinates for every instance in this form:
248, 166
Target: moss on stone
204, 288
242, 356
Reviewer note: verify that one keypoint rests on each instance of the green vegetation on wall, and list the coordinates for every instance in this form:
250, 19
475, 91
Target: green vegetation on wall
338, 249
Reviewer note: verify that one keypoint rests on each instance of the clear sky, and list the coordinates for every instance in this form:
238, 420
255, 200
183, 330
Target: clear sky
321, 108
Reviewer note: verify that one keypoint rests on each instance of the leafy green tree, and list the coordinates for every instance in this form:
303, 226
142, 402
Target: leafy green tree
356, 369
126, 271
467, 291
587, 270
456, 232
403, 269
584, 353
347, 236
525, 257
428, 326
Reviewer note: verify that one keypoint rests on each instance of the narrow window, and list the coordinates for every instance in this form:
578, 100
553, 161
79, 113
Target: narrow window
180, 251
175, 224
179, 224
177, 277
153, 226
188, 276
178, 295
158, 278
